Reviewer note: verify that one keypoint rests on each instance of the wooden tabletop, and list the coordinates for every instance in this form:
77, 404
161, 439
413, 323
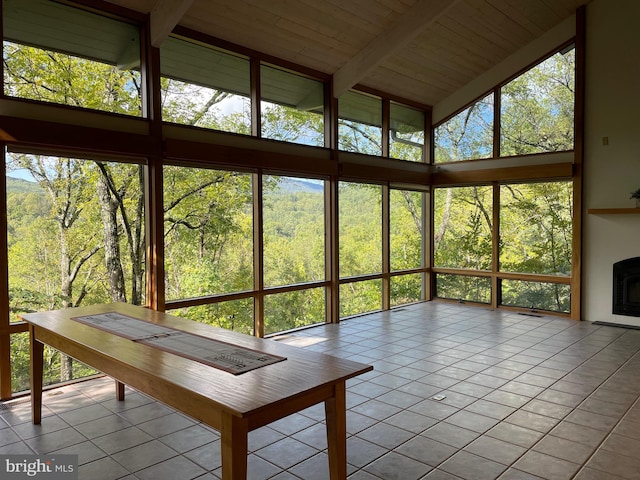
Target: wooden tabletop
154, 371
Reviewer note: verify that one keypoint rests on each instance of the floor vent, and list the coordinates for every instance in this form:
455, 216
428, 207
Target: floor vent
7, 406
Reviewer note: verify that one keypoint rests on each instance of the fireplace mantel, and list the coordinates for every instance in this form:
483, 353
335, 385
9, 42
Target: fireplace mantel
613, 211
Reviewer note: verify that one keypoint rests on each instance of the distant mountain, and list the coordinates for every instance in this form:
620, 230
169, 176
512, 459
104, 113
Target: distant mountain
286, 185
18, 185
294, 185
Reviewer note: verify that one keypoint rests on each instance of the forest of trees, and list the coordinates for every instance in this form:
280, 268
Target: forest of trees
76, 232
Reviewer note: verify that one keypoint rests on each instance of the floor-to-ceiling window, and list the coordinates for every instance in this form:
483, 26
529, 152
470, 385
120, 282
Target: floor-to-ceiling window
252, 233
509, 241
75, 236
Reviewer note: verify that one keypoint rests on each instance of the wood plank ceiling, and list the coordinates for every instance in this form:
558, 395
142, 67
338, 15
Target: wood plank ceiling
419, 50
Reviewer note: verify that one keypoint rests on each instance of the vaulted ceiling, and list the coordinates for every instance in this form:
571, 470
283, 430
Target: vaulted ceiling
420, 50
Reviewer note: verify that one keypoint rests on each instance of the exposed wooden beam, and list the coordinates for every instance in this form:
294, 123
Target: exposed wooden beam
408, 26
164, 16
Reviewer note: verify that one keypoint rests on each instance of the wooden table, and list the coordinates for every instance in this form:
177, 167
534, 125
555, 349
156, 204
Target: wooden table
232, 404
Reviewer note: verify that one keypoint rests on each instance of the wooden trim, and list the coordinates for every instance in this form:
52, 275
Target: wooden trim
497, 121
5, 340
258, 262
366, 169
613, 211
430, 278
330, 112
154, 226
256, 107
579, 137
427, 153
67, 137
108, 9
332, 249
154, 178
386, 124
238, 158
495, 248
386, 247
543, 172
526, 277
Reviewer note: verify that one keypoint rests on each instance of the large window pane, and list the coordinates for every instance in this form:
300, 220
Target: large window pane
293, 230
462, 227
360, 123
537, 108
464, 288
406, 289
208, 232
75, 232
55, 366
236, 315
536, 228
406, 133
204, 87
59, 54
553, 297
360, 297
292, 107
360, 229
406, 229
468, 135
290, 310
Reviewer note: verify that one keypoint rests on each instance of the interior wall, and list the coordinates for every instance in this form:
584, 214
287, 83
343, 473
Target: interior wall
612, 150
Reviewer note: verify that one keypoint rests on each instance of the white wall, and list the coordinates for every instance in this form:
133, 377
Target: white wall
611, 172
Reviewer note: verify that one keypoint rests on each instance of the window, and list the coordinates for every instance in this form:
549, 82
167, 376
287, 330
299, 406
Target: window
360, 239
537, 108
553, 297
205, 87
294, 309
236, 315
406, 133
360, 227
462, 227
294, 251
208, 232
293, 225
406, 289
59, 54
75, 237
536, 228
466, 136
360, 297
292, 107
360, 123
406, 229
464, 288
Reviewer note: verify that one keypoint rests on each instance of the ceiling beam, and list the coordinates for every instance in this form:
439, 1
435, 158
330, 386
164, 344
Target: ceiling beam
164, 16
410, 24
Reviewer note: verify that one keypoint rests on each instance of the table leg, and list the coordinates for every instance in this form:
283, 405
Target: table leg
234, 438
119, 390
336, 412
36, 349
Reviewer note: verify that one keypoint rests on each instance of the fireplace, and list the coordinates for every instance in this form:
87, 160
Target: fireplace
626, 287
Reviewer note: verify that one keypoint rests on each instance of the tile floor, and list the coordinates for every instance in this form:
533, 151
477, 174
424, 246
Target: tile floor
457, 392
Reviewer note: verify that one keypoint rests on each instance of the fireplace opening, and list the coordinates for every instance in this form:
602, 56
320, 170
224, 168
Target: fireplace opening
626, 287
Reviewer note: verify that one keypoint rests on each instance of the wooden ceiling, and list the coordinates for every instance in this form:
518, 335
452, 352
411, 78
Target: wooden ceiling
420, 50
